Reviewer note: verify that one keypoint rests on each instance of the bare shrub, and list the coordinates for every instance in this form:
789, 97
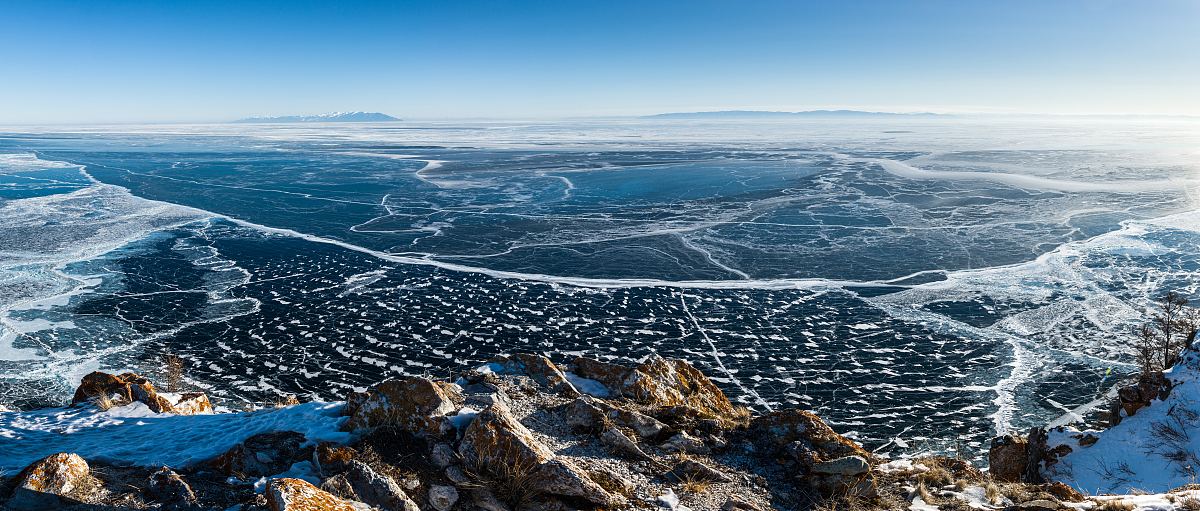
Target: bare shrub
693, 484
1171, 330
511, 476
1189, 503
172, 372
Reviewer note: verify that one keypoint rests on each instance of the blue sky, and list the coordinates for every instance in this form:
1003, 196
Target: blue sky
108, 61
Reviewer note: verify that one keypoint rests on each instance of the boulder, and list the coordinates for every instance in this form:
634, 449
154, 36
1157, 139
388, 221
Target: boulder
331, 458
122, 390
692, 470
192, 403
589, 413
51, 482
665, 383
442, 498
414, 404
612, 376
846, 465
1063, 492
738, 505
685, 443
785, 430
1131, 398
1007, 458
375, 489
497, 445
442, 455
622, 445
263, 455
540, 368
169, 489
817, 454
287, 494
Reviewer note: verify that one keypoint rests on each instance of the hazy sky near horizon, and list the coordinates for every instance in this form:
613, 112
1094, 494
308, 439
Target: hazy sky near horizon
133, 61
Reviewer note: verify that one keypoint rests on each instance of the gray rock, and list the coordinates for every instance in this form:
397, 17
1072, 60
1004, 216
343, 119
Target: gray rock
481, 395
847, 466
484, 500
593, 414
738, 505
442, 455
442, 498
43, 482
496, 442
168, 488
622, 445
1040, 505
339, 486
375, 489
456, 475
684, 443
265, 454
696, 471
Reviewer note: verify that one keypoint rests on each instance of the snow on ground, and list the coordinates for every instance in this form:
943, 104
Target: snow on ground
1155, 450
134, 435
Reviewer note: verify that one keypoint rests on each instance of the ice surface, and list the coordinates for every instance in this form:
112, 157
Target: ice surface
911, 281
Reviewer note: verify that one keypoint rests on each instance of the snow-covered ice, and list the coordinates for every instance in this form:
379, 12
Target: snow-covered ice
134, 435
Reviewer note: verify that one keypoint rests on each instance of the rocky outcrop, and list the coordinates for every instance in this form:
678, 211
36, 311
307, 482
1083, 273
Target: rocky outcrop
118, 390
664, 384
540, 369
498, 445
192, 403
375, 489
169, 489
830, 463
1008, 457
264, 455
1131, 398
590, 413
516, 435
50, 482
414, 404
298, 495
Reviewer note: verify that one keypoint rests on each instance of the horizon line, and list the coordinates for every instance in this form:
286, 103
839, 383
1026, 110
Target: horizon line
913, 114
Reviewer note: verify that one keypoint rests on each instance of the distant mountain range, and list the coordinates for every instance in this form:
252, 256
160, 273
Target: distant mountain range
760, 114
331, 117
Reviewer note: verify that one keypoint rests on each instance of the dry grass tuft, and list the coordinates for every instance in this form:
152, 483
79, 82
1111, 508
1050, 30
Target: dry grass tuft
692, 484
923, 492
513, 479
103, 401
992, 493
937, 475
1115, 505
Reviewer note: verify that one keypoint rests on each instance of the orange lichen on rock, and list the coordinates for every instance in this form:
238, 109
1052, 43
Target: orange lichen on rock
287, 494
